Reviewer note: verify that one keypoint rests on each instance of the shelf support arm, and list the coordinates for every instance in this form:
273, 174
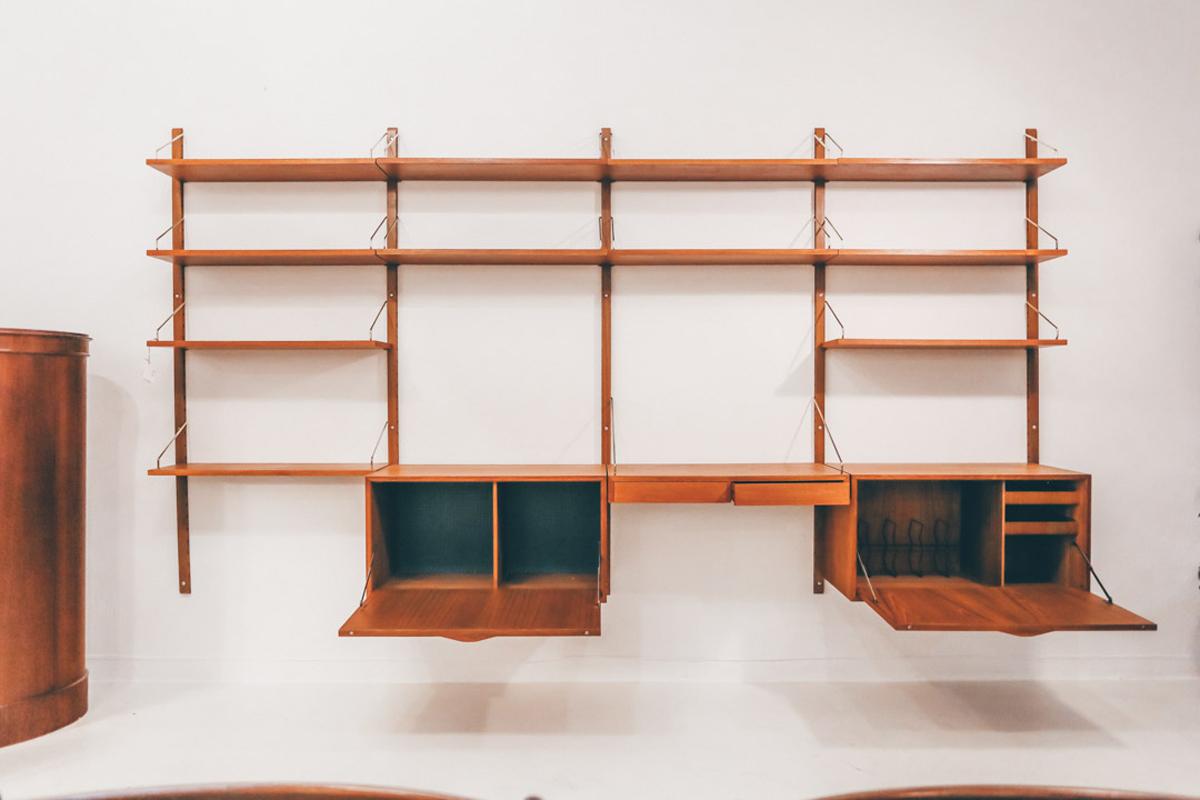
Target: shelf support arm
378, 314
1038, 311
378, 439
1038, 225
167, 446
158, 330
173, 226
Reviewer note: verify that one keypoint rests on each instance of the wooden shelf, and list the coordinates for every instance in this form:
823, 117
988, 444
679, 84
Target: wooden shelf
646, 257
594, 169
315, 344
249, 470
940, 344
338, 258
941, 258
1050, 528
968, 170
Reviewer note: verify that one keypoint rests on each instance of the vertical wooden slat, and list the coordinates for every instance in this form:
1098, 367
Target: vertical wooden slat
179, 332
819, 542
496, 565
393, 320
605, 542
1032, 405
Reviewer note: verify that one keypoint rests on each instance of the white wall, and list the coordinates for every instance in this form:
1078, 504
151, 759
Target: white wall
500, 365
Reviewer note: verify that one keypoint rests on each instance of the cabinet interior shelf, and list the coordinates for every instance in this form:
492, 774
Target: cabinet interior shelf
595, 169
265, 470
940, 344
618, 257
255, 344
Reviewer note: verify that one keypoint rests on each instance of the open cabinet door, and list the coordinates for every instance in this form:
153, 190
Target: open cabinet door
472, 614
1021, 610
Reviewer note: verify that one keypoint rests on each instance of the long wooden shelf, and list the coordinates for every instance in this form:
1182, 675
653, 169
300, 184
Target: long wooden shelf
920, 258
253, 470
364, 256
877, 257
594, 169
619, 257
940, 344
254, 344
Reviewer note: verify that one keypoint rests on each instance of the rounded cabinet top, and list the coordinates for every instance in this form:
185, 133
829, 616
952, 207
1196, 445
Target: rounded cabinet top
20, 340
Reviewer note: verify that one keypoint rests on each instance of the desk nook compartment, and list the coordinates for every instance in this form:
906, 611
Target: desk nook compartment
468, 554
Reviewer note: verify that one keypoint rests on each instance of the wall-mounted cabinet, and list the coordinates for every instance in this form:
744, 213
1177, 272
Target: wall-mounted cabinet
959, 547
474, 552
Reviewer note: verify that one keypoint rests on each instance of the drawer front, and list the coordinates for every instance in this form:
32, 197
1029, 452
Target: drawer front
810, 493
670, 492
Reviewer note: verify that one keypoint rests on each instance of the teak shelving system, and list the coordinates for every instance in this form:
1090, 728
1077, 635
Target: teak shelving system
474, 551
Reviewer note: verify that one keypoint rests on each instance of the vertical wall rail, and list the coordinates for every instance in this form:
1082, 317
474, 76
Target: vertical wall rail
819, 303
606, 241
818, 338
393, 321
606, 400
179, 333
1032, 406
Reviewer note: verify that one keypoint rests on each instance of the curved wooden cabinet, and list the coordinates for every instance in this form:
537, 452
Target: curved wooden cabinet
43, 385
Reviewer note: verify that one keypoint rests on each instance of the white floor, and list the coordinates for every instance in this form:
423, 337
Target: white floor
620, 740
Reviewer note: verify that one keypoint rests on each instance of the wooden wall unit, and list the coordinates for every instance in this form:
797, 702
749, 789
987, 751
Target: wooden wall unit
470, 552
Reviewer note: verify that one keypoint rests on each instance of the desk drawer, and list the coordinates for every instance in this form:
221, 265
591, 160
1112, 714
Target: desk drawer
806, 493
670, 492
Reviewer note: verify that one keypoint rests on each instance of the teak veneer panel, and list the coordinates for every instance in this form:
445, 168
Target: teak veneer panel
1021, 610
258, 344
940, 344
595, 169
264, 470
537, 609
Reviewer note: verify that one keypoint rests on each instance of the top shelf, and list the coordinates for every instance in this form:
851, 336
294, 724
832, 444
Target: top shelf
270, 170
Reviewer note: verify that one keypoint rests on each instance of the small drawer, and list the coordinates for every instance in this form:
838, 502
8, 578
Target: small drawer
807, 493
670, 491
